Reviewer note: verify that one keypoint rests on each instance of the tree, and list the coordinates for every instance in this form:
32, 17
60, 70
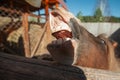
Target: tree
114, 19
98, 15
79, 16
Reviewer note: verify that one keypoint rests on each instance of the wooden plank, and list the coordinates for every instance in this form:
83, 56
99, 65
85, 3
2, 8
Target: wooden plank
26, 35
38, 19
18, 12
40, 39
11, 4
46, 9
21, 68
57, 4
10, 10
33, 15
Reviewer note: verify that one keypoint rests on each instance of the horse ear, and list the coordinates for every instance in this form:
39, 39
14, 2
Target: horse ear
115, 44
75, 27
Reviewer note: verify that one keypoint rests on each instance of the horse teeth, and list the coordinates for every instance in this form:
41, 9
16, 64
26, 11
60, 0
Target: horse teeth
66, 39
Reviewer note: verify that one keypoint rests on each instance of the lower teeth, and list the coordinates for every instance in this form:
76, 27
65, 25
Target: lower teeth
67, 39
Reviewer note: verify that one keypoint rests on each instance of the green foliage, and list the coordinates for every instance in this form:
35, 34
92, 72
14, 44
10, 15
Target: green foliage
114, 19
98, 13
79, 16
97, 17
89, 19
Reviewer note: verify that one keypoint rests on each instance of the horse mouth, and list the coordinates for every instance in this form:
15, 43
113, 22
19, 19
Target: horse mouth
63, 48
61, 31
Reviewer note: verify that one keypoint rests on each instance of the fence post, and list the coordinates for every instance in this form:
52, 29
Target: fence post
26, 35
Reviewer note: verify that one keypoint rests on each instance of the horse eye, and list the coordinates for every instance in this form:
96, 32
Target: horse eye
103, 41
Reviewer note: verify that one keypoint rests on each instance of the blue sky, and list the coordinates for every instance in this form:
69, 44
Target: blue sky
87, 7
